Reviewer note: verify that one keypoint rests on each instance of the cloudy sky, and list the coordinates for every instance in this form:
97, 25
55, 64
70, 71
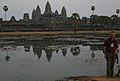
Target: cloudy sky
82, 7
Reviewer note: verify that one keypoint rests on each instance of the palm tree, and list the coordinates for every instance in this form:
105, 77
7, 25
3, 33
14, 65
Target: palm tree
117, 11
5, 8
93, 8
7, 58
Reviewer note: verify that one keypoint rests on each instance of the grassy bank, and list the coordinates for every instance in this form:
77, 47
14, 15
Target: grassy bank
36, 33
57, 33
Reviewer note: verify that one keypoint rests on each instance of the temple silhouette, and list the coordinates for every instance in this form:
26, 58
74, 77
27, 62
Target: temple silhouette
47, 15
54, 21
38, 22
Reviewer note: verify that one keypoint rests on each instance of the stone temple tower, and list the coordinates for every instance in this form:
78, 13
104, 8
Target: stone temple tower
26, 17
36, 14
38, 11
63, 12
56, 13
33, 14
48, 9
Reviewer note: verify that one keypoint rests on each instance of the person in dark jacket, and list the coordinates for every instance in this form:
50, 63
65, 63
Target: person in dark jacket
110, 48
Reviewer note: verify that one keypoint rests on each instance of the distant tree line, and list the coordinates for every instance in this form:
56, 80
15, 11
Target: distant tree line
94, 22
73, 23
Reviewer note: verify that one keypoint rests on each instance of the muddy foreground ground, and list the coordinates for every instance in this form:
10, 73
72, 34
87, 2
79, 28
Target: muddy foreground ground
92, 78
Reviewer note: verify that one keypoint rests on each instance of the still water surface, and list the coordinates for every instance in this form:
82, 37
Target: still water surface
50, 59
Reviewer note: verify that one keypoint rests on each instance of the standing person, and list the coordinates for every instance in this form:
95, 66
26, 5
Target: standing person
110, 47
118, 70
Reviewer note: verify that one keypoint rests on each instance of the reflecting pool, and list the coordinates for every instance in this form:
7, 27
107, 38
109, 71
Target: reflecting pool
50, 59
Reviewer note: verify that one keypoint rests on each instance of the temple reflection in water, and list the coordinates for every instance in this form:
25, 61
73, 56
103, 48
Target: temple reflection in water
49, 51
52, 45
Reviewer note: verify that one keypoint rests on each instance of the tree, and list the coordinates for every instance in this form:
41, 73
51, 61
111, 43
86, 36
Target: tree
93, 19
75, 20
104, 20
114, 19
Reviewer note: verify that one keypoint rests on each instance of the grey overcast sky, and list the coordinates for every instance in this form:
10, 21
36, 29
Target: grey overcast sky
82, 7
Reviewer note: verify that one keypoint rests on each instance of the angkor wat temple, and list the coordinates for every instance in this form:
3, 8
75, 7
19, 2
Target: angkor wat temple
54, 21
47, 21
47, 15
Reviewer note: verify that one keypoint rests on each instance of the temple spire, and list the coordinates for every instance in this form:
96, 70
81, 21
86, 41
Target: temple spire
33, 14
63, 12
56, 12
36, 14
38, 11
48, 9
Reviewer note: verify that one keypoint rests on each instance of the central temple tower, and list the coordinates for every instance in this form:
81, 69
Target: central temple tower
48, 9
